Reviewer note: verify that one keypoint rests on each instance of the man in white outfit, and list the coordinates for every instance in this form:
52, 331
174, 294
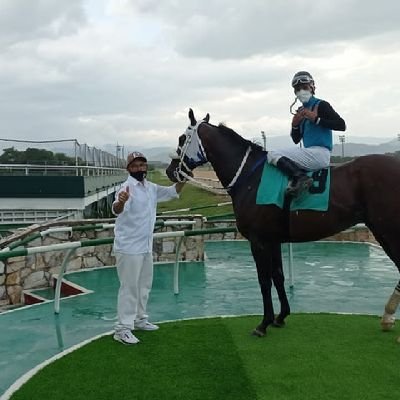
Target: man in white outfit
135, 207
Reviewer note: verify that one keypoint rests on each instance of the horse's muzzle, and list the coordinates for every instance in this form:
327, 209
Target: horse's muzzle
171, 173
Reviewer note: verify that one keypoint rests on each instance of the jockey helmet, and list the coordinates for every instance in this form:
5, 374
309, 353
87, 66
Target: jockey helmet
303, 77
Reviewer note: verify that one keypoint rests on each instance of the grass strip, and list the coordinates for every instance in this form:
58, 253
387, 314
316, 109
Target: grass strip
190, 360
192, 196
320, 356
316, 356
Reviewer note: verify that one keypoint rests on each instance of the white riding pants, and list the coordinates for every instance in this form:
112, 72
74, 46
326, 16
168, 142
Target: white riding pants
135, 273
309, 159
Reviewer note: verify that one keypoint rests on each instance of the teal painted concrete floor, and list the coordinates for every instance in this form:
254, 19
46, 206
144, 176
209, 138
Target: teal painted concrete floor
329, 277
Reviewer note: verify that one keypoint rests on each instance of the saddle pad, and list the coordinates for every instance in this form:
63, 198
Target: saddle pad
274, 183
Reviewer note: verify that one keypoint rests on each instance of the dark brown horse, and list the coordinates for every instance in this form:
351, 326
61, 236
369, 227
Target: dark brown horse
364, 190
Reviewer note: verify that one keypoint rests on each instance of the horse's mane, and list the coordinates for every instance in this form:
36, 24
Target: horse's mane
222, 127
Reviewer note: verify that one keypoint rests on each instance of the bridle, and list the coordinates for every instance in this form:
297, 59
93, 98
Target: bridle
193, 150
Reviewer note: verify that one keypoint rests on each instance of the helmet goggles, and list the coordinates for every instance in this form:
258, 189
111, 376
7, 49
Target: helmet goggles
302, 79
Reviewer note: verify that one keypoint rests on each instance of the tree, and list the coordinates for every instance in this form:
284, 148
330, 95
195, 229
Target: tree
38, 156
10, 156
34, 156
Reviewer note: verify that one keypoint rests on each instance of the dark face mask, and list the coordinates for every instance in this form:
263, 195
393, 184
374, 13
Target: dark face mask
139, 175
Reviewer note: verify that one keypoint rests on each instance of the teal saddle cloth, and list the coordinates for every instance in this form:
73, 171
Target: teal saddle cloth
274, 183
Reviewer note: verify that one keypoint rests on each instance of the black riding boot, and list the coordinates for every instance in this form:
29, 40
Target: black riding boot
299, 180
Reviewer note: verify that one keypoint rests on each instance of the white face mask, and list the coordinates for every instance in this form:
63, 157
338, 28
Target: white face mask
304, 95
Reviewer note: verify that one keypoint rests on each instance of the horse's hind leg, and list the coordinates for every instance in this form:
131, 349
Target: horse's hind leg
391, 246
388, 318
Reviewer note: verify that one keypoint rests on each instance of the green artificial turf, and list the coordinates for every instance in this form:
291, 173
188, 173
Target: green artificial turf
316, 356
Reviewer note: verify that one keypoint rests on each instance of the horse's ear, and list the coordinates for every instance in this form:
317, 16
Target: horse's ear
192, 118
207, 117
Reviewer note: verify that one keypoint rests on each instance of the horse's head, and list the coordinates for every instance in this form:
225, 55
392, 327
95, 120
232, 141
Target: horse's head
190, 152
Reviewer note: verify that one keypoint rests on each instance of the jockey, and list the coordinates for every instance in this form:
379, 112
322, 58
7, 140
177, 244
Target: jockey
313, 123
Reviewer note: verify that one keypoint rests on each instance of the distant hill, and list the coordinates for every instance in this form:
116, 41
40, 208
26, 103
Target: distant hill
161, 154
354, 146
360, 149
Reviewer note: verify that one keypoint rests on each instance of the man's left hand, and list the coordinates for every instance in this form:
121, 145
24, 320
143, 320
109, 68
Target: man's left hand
179, 186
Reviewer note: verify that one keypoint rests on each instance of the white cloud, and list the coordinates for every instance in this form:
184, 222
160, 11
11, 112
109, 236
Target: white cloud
239, 29
22, 20
127, 71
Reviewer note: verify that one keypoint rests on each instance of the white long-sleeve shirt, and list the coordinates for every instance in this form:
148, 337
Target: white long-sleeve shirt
135, 225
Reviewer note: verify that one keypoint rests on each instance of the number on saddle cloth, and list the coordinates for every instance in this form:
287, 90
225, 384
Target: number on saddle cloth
320, 180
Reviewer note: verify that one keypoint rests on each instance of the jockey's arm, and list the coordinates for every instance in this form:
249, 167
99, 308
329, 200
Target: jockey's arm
296, 134
329, 118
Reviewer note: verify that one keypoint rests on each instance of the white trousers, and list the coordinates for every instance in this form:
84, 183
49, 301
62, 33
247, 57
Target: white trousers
309, 159
135, 273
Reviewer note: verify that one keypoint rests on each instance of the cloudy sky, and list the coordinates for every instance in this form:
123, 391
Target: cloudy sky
103, 71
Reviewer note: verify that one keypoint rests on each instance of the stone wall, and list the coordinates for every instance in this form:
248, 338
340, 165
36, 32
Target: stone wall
358, 233
36, 271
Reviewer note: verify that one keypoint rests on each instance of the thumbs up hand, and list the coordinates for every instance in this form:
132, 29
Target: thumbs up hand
124, 195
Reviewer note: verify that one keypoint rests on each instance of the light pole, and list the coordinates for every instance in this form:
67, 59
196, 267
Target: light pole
398, 138
342, 140
118, 154
264, 138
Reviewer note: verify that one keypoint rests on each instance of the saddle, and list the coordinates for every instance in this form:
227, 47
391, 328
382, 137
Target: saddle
273, 188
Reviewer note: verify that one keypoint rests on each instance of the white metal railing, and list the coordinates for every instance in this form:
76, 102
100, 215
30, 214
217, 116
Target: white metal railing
82, 153
25, 216
70, 247
77, 170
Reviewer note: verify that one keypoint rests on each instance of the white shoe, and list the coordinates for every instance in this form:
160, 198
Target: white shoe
126, 337
145, 326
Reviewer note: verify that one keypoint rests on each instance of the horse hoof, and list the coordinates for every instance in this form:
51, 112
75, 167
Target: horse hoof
278, 324
387, 323
387, 326
257, 332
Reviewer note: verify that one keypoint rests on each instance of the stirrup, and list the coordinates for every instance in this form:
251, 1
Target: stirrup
303, 184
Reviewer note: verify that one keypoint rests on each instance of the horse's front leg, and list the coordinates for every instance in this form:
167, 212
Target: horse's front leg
278, 278
279, 320
262, 259
268, 318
